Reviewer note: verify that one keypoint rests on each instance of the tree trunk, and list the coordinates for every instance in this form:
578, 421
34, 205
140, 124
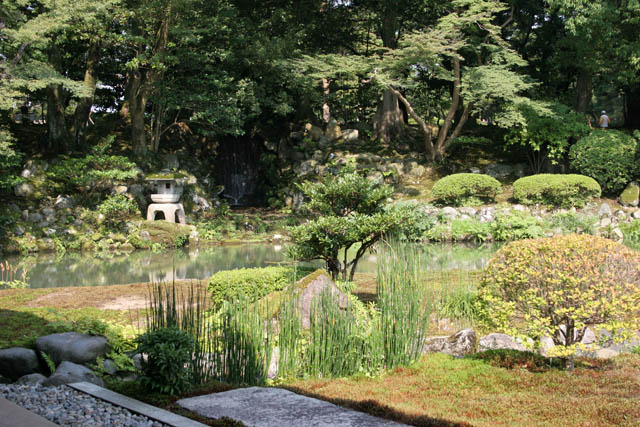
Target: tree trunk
133, 111
444, 139
83, 109
56, 124
388, 123
426, 130
632, 107
584, 91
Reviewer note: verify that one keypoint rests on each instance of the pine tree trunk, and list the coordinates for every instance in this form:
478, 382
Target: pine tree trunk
388, 123
83, 109
584, 91
133, 111
56, 123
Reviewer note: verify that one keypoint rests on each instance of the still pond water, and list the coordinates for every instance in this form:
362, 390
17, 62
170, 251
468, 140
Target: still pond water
90, 269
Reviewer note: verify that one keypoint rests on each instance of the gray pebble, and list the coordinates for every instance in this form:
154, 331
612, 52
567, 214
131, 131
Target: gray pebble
67, 407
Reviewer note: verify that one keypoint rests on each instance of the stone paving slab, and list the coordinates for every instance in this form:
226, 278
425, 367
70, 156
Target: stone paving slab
12, 415
135, 405
276, 407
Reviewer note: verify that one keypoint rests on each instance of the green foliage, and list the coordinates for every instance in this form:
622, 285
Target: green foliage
167, 351
9, 161
404, 308
352, 213
608, 156
516, 359
465, 189
359, 339
558, 286
416, 222
233, 345
51, 365
470, 229
117, 209
547, 132
574, 223
631, 232
556, 190
95, 172
345, 194
13, 284
515, 226
229, 285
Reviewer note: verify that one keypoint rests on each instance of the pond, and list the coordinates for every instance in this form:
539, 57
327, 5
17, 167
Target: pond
90, 269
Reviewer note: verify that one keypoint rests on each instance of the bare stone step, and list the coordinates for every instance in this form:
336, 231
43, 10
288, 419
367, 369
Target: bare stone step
276, 407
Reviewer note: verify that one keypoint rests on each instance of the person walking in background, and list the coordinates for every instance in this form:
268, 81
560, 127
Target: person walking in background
604, 120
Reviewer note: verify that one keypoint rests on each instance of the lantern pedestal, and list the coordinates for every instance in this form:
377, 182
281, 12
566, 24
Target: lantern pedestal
170, 210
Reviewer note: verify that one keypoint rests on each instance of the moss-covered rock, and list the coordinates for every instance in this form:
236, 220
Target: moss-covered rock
166, 233
631, 195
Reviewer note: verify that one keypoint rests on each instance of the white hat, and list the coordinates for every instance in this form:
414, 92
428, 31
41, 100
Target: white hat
604, 112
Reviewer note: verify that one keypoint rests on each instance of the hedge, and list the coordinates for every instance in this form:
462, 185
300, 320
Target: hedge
465, 189
252, 282
557, 190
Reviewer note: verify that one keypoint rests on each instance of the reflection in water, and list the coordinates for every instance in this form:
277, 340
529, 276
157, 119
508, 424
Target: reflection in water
87, 269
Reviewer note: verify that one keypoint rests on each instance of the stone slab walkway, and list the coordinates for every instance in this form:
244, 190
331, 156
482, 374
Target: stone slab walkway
276, 407
12, 415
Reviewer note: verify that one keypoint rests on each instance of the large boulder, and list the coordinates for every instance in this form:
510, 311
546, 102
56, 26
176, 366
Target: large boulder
458, 344
24, 189
497, 341
68, 373
314, 286
72, 347
17, 362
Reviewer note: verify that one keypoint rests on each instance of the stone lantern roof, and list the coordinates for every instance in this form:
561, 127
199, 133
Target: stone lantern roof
166, 197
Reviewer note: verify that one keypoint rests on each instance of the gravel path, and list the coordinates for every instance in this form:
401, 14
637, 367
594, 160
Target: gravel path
67, 407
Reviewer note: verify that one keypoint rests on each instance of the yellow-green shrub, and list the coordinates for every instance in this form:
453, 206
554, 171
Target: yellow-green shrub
557, 190
532, 288
249, 282
465, 189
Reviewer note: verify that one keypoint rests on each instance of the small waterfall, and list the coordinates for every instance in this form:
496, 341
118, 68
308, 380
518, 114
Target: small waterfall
237, 167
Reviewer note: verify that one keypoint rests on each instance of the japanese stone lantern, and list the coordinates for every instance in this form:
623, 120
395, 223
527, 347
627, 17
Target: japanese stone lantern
166, 198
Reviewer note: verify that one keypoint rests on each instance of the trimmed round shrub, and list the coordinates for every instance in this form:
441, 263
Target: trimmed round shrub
558, 190
252, 282
465, 189
560, 285
606, 156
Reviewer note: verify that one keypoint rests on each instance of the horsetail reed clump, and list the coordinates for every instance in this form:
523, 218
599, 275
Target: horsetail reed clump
404, 307
233, 345
242, 341
337, 344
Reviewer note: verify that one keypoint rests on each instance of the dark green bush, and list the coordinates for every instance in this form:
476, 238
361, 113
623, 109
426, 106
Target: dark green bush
606, 156
168, 350
252, 282
465, 189
92, 174
9, 161
117, 208
557, 190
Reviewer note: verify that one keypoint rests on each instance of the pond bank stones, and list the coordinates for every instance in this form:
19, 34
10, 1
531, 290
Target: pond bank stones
459, 344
